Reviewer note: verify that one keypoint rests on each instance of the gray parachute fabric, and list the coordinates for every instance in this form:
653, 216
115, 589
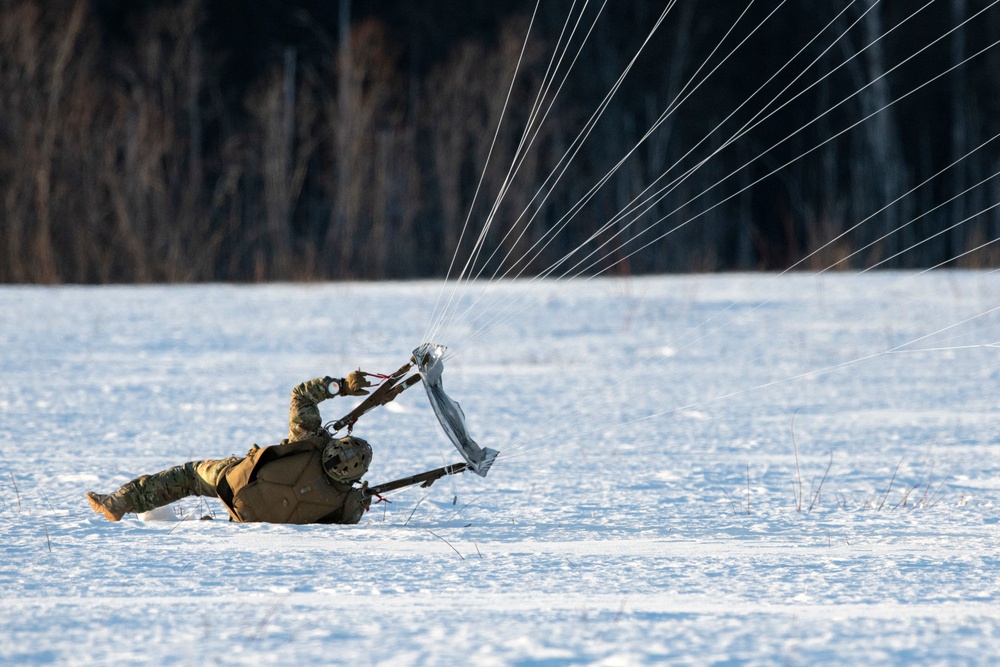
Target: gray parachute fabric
429, 360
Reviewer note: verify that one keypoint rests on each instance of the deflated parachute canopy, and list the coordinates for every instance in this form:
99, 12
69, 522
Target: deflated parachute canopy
428, 358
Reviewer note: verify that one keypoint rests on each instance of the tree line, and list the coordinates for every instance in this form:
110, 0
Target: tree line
200, 140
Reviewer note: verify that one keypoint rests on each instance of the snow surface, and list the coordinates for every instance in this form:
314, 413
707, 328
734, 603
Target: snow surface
645, 509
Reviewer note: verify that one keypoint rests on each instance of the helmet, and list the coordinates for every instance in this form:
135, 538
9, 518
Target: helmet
347, 459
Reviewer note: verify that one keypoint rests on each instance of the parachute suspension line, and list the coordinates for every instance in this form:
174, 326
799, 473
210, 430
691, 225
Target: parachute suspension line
830, 139
756, 120
578, 206
535, 121
895, 350
635, 204
778, 169
967, 252
592, 122
565, 160
520, 158
893, 203
907, 224
738, 135
865, 270
578, 142
954, 337
436, 325
927, 181
674, 105
563, 223
850, 362
743, 130
835, 263
517, 450
434, 315
660, 195
483, 175
540, 436
950, 348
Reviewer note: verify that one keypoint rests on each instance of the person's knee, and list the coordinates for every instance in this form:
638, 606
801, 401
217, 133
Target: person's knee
208, 473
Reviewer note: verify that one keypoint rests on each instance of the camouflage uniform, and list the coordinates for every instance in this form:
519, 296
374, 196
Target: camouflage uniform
194, 478
204, 478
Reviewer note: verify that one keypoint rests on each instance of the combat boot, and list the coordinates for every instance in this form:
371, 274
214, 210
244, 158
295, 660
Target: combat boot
113, 506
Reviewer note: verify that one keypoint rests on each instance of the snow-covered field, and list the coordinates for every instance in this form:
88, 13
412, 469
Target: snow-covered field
646, 507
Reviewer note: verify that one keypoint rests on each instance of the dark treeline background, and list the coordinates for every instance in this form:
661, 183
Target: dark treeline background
195, 140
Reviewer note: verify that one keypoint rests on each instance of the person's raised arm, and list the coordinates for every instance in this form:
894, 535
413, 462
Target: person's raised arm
304, 419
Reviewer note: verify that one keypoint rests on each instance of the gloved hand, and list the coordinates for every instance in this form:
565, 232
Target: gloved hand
356, 384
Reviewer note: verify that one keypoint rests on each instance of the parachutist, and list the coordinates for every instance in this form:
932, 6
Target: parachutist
308, 478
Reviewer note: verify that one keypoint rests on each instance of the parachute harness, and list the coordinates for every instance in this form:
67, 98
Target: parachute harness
428, 359
389, 387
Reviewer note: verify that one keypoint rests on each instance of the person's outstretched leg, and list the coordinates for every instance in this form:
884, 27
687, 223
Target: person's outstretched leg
194, 478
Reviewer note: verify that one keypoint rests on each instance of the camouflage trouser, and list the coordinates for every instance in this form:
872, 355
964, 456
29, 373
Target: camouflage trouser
194, 478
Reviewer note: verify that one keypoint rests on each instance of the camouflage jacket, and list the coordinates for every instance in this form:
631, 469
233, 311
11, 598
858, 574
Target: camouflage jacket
286, 483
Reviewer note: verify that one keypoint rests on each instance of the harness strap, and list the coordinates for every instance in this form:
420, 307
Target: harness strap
391, 387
